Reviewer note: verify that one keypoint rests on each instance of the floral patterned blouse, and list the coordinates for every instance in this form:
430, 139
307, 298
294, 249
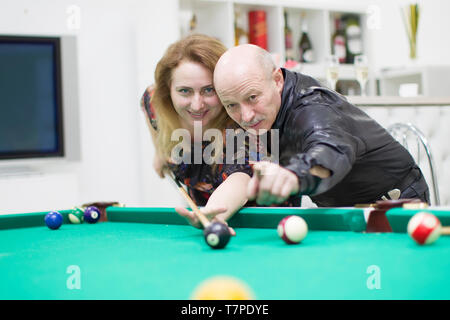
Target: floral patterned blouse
200, 179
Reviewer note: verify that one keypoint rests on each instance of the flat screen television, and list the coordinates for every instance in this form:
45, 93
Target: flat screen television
31, 120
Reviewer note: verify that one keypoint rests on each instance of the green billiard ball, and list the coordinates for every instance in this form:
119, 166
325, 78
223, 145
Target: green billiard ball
76, 215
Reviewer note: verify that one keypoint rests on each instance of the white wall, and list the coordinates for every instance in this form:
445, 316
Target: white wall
154, 34
112, 76
390, 45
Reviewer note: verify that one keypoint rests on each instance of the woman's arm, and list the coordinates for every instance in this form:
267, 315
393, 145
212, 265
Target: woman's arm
223, 203
158, 163
231, 194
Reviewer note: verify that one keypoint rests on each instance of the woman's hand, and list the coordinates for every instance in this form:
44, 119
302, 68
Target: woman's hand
210, 214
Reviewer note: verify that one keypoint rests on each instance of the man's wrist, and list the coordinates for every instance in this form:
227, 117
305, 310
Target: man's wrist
307, 183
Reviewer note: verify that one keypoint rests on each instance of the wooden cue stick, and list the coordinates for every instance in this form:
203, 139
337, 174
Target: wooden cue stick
445, 231
204, 221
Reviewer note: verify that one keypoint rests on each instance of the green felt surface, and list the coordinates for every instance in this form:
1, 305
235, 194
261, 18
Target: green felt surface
399, 217
130, 260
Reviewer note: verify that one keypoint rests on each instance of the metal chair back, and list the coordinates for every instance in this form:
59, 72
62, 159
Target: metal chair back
407, 134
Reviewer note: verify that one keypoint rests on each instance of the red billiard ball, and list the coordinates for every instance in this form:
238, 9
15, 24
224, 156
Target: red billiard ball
424, 228
292, 229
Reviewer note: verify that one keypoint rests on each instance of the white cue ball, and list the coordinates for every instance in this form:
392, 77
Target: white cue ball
292, 229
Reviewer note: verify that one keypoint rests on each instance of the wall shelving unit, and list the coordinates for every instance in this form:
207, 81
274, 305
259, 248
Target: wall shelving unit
217, 18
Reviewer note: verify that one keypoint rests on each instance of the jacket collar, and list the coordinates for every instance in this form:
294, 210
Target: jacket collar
286, 99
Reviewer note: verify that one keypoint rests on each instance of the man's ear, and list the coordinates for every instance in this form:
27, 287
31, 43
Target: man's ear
277, 76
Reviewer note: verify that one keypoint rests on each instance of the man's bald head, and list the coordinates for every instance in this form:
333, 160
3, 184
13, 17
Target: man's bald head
240, 60
249, 86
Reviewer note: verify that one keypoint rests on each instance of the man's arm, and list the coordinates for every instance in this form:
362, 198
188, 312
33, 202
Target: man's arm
320, 172
323, 153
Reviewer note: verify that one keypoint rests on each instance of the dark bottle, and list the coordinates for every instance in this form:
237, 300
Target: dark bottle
354, 37
339, 41
305, 45
288, 39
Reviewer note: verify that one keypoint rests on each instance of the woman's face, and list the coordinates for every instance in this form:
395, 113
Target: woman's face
193, 94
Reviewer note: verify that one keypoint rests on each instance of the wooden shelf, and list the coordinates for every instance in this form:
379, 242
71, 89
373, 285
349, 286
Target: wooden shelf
216, 18
398, 101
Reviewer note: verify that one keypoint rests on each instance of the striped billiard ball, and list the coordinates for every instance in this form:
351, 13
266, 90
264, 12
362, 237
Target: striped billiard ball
292, 229
424, 228
76, 215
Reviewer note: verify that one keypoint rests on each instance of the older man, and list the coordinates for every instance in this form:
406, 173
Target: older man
328, 148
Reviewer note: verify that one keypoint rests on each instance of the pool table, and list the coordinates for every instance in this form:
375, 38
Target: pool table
152, 253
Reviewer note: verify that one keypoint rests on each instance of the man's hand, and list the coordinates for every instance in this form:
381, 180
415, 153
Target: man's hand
271, 183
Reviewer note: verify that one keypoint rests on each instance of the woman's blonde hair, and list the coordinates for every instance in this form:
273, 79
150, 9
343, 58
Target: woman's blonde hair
196, 48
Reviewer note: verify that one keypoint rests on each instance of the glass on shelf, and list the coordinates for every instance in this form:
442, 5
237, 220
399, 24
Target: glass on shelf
362, 72
332, 71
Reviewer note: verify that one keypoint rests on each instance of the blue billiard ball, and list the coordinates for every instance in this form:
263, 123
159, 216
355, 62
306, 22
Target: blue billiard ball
53, 220
91, 214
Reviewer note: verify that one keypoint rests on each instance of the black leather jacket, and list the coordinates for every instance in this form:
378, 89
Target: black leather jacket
318, 126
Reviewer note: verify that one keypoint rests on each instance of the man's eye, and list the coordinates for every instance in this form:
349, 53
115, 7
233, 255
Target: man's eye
231, 105
252, 97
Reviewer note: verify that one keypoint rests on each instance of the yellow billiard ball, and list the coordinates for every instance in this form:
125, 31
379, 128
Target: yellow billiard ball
222, 288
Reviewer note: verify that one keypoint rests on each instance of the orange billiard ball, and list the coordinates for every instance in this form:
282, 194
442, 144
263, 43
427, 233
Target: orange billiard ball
222, 288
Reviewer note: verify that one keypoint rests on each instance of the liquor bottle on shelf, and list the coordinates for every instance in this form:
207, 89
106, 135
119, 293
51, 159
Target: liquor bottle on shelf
193, 24
305, 46
288, 39
257, 28
240, 35
339, 41
354, 38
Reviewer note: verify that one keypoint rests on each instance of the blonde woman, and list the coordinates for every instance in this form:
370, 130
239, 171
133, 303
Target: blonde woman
183, 97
